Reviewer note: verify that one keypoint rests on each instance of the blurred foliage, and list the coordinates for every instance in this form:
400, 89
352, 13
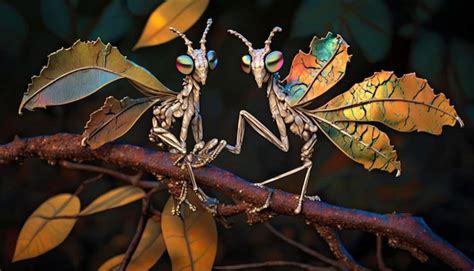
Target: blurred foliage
432, 38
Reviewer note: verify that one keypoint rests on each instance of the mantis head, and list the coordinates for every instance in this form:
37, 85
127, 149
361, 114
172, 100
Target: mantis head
196, 62
261, 62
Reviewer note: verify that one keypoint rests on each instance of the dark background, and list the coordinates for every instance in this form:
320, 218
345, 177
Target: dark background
432, 38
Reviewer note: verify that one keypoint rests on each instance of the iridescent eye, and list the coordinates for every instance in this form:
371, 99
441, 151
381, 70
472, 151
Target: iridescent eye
245, 65
212, 59
185, 64
274, 61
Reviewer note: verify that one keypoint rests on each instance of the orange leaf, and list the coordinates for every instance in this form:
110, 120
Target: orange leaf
41, 232
180, 14
191, 239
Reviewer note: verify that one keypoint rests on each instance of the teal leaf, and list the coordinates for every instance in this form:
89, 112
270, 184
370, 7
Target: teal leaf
366, 22
56, 16
13, 29
428, 56
142, 7
114, 22
462, 65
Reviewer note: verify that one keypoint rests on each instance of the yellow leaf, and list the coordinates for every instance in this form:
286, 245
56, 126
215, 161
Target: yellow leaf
149, 250
41, 233
363, 143
180, 14
191, 239
77, 72
113, 199
406, 104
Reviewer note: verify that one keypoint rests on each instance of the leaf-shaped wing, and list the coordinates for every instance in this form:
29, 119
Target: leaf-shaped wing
150, 249
363, 143
191, 239
314, 73
405, 104
114, 198
42, 231
114, 119
180, 14
77, 72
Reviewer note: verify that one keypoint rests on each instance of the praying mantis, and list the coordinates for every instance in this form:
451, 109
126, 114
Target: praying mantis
405, 104
83, 69
195, 65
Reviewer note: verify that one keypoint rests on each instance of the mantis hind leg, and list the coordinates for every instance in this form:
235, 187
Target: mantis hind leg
306, 153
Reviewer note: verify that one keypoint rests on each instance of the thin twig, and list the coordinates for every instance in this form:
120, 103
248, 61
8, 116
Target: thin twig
302, 247
337, 247
380, 261
131, 179
271, 264
86, 182
132, 247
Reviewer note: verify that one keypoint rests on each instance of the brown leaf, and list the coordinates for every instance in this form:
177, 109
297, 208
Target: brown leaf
114, 198
41, 232
150, 249
77, 72
180, 14
191, 239
114, 119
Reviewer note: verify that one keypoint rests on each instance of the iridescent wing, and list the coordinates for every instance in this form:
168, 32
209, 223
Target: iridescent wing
314, 73
404, 103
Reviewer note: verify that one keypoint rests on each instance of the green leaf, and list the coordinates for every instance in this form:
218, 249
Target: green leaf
367, 22
462, 64
57, 18
114, 22
77, 72
142, 7
42, 232
13, 28
428, 55
114, 119
113, 199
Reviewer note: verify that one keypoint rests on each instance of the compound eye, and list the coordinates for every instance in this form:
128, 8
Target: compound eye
245, 65
274, 61
212, 59
185, 64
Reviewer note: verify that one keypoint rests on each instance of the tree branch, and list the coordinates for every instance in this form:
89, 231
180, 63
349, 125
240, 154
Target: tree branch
404, 228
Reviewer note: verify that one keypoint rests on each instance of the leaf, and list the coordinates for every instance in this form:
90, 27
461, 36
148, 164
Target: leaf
363, 143
367, 22
405, 104
13, 28
428, 55
141, 7
191, 239
114, 22
113, 199
56, 16
79, 71
150, 249
180, 14
114, 119
41, 233
314, 73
